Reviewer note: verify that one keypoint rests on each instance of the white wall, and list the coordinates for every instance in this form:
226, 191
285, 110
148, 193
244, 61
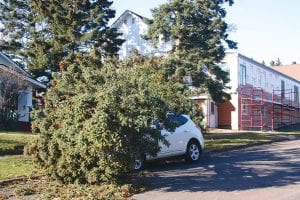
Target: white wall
265, 77
133, 27
210, 119
24, 105
257, 75
235, 113
230, 64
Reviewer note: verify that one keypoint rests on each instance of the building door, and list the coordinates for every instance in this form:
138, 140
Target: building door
224, 114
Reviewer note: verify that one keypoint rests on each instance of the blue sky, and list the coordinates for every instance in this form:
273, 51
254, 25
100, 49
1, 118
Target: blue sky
265, 29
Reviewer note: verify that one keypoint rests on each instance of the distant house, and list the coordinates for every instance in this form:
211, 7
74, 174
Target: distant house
261, 97
25, 96
133, 26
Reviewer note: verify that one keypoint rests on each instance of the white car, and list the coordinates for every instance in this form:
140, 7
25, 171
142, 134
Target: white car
187, 140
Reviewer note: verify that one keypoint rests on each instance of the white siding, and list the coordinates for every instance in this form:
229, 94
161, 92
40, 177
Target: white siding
235, 113
230, 64
264, 77
24, 104
133, 27
210, 119
257, 75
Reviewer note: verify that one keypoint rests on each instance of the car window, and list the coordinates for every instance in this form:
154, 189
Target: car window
179, 119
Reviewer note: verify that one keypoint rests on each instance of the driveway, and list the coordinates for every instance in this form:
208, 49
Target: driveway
263, 172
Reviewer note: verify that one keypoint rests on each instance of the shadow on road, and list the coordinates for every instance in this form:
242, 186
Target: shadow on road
256, 167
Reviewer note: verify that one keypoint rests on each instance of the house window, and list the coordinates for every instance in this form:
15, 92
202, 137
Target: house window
212, 108
282, 89
243, 75
296, 94
125, 21
132, 20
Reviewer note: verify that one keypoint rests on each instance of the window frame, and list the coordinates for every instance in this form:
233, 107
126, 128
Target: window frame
243, 74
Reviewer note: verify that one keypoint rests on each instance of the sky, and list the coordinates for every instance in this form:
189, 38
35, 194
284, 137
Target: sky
265, 30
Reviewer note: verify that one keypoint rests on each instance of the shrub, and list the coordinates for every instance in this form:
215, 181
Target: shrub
11, 84
97, 119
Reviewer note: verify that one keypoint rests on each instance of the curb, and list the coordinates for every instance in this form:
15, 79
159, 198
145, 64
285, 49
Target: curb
216, 151
11, 181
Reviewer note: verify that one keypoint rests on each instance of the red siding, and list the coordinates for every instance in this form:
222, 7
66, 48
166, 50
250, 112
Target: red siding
24, 126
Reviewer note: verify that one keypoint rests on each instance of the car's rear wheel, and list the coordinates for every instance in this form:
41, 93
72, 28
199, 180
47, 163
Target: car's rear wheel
193, 151
139, 164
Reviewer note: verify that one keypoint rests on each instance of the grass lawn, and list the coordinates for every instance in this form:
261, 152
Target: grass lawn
14, 142
221, 141
14, 166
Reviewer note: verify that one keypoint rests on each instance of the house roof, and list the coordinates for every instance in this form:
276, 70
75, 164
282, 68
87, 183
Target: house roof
20, 71
124, 15
290, 70
12, 63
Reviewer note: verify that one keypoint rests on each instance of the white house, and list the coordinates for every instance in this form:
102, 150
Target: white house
261, 97
133, 27
25, 96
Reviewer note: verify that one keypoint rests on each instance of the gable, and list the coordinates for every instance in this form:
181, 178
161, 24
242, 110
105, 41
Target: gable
133, 27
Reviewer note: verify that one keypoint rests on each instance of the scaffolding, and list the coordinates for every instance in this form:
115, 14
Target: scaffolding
260, 110
285, 108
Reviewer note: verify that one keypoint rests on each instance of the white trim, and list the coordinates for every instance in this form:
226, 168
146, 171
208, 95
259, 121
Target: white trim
199, 97
123, 16
12, 63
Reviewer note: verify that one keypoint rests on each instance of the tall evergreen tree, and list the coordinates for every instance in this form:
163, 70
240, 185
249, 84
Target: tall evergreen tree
15, 20
44, 33
199, 32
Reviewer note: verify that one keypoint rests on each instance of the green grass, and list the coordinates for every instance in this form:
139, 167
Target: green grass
221, 141
14, 142
15, 166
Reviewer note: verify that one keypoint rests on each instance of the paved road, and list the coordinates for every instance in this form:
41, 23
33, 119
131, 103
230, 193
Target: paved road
266, 172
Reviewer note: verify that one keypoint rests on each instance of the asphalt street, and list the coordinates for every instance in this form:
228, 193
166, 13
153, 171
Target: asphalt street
266, 172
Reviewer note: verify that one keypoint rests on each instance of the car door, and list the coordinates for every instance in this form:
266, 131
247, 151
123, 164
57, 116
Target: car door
176, 139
